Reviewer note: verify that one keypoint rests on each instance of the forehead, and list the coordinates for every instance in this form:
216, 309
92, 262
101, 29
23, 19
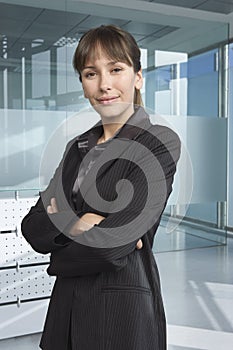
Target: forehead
99, 53
103, 62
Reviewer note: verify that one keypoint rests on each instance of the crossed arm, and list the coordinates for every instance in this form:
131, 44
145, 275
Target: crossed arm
86, 222
44, 225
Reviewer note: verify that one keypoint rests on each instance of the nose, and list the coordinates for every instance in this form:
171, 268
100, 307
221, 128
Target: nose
105, 82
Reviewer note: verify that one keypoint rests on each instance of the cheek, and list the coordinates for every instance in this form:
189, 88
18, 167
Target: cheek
128, 85
85, 93
87, 89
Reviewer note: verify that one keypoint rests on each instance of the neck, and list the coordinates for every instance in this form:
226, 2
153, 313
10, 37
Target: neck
109, 131
111, 125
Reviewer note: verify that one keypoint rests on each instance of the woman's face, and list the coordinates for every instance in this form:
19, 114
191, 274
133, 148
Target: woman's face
109, 86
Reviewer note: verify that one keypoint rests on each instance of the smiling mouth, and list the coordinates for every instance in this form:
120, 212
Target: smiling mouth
107, 100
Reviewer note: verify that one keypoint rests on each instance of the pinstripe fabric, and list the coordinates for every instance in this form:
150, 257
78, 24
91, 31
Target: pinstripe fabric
106, 298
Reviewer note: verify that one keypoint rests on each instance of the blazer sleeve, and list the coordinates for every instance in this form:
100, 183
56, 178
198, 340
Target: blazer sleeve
151, 175
38, 229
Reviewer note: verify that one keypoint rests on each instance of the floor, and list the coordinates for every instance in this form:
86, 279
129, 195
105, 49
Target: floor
198, 295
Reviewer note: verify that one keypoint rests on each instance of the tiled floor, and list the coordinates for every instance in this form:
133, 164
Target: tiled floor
198, 295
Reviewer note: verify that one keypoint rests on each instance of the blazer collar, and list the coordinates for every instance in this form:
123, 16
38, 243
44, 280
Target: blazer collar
135, 125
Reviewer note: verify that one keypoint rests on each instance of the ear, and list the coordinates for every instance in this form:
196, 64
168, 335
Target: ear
139, 80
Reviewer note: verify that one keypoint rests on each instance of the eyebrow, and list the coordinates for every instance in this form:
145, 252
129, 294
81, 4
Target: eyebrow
108, 64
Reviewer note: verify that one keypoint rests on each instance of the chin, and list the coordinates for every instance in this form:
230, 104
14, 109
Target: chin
114, 110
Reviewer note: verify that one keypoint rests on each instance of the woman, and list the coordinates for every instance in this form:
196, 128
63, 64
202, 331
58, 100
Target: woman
100, 212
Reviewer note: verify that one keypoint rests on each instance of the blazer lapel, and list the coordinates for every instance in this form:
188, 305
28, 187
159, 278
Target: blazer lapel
75, 154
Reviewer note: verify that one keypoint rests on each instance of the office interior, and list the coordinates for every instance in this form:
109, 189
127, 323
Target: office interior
187, 62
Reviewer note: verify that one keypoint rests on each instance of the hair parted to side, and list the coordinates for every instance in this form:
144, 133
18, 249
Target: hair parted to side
118, 45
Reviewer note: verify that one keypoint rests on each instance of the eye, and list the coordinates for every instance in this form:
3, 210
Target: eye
117, 70
90, 75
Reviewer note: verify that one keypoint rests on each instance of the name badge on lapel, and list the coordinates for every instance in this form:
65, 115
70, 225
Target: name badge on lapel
83, 144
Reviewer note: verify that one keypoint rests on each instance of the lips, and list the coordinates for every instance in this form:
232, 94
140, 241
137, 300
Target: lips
107, 99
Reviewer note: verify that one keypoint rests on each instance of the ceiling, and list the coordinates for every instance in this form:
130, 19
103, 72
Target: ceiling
25, 30
218, 6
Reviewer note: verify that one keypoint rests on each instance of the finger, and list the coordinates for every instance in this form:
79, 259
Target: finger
49, 209
139, 244
54, 205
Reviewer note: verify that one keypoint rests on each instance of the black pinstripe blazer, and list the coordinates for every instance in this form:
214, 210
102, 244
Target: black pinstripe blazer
116, 289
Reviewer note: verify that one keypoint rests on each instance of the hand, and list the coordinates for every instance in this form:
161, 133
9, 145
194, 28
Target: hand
85, 223
139, 244
52, 208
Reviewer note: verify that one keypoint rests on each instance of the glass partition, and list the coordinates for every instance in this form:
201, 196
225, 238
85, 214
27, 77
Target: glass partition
188, 93
184, 71
230, 141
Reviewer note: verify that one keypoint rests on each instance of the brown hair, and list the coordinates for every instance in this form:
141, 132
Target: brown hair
116, 43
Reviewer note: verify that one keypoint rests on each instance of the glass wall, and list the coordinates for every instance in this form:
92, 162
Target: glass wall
230, 141
189, 91
41, 96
